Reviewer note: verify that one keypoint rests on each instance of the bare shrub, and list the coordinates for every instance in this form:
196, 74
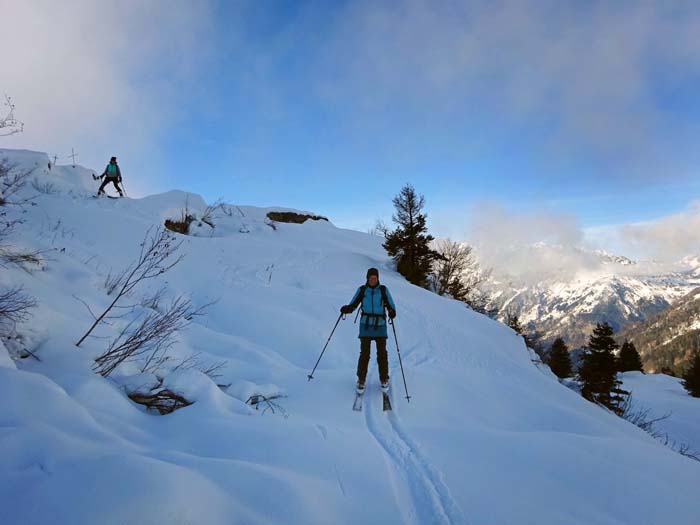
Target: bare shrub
15, 306
181, 225
640, 417
208, 213
12, 181
153, 300
9, 125
158, 254
47, 187
194, 362
380, 229
458, 274
268, 402
148, 337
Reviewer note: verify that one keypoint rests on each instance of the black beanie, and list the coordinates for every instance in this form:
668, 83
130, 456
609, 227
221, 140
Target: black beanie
372, 271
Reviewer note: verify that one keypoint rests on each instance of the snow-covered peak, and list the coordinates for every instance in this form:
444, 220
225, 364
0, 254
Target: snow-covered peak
617, 259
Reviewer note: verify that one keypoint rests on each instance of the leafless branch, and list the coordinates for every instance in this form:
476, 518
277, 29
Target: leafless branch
458, 274
112, 281
9, 125
208, 213
85, 305
15, 305
256, 399
147, 337
153, 300
46, 187
193, 361
158, 254
12, 180
380, 228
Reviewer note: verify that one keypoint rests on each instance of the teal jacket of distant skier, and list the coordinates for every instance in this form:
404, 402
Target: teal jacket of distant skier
112, 171
373, 320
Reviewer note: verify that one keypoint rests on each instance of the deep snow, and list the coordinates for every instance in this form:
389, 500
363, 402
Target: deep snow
487, 437
664, 395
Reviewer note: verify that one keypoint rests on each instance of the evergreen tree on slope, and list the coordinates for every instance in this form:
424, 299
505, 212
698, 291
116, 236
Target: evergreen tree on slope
691, 378
598, 372
559, 359
629, 358
409, 243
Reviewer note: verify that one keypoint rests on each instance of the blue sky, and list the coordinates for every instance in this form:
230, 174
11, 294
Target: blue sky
583, 109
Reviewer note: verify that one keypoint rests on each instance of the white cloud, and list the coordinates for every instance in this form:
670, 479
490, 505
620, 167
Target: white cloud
668, 238
107, 78
534, 245
508, 240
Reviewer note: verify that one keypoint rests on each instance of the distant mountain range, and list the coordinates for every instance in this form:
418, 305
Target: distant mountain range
581, 288
669, 338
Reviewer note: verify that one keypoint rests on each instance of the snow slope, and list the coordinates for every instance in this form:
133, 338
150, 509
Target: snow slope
663, 395
486, 438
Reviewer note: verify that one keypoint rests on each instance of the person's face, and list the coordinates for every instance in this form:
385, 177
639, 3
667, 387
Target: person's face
373, 280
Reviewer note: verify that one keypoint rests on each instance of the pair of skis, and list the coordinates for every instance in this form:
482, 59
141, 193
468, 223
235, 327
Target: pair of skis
357, 405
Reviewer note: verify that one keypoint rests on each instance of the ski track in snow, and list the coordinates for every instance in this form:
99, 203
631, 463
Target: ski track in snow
431, 501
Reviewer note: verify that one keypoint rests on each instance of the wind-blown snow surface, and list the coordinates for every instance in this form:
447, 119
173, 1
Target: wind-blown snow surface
664, 395
486, 438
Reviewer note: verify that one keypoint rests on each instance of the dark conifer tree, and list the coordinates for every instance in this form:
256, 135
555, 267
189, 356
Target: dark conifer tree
691, 377
629, 358
409, 243
559, 359
598, 371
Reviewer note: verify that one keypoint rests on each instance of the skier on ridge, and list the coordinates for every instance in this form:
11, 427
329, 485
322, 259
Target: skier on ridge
372, 298
112, 174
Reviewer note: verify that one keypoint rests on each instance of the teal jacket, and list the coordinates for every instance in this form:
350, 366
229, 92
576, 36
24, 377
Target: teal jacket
373, 320
112, 171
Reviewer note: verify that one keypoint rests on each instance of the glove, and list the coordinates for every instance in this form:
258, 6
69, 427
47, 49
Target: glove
347, 309
392, 313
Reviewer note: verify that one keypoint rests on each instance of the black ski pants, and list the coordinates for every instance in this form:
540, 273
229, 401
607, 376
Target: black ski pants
107, 181
382, 358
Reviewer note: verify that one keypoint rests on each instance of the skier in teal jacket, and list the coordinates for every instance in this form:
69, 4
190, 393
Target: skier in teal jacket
112, 174
372, 298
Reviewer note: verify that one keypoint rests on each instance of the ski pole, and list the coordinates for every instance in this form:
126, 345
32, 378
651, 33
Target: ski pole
408, 398
311, 375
